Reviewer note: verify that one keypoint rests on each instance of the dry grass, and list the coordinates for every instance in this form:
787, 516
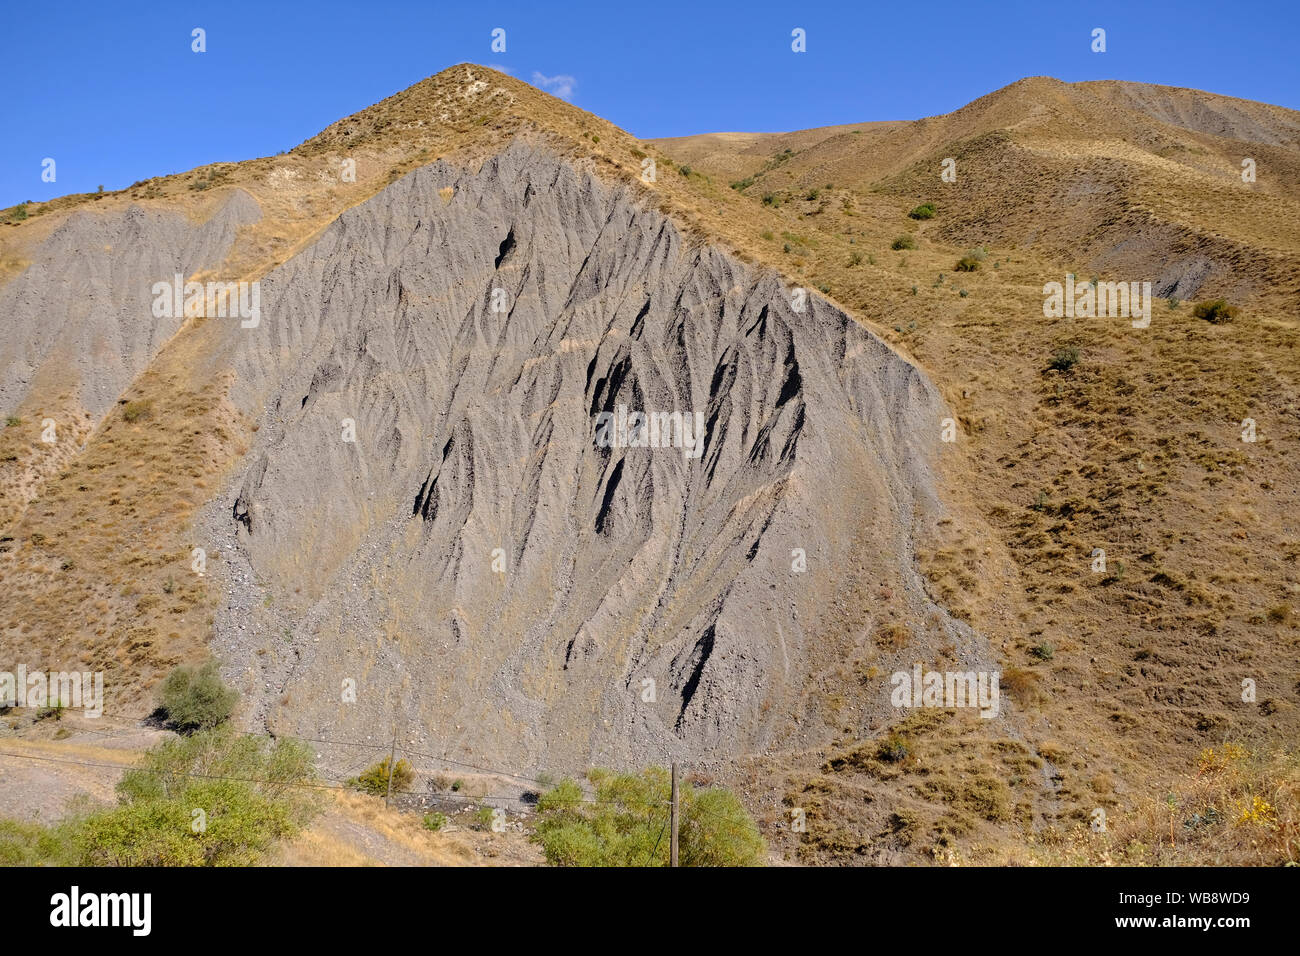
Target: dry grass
359, 830
1239, 808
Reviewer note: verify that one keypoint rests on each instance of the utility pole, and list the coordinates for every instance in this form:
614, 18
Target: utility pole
672, 845
392, 767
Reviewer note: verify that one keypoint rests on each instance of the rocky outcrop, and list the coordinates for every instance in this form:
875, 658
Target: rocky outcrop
488, 560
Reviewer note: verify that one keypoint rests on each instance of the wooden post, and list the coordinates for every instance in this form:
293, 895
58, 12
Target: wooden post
672, 845
392, 768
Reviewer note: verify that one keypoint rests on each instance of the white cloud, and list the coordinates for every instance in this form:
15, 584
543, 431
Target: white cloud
560, 85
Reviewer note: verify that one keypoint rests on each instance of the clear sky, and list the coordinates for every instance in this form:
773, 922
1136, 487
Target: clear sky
112, 92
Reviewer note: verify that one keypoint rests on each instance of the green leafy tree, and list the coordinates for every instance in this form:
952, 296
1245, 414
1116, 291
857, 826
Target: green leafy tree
627, 824
196, 698
215, 798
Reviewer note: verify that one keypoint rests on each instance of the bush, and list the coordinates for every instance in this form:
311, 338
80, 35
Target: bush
1215, 311
903, 242
1064, 360
1043, 652
627, 824
893, 749
136, 410
375, 780
923, 211
435, 821
250, 792
967, 264
194, 699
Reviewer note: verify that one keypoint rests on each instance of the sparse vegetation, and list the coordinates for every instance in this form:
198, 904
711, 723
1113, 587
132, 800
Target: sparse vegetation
1237, 808
923, 211
903, 242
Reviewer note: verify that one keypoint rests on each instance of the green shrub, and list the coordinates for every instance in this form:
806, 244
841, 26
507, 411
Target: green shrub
136, 410
1215, 311
923, 211
375, 779
903, 242
435, 821
12, 420
196, 698
216, 798
686, 171
967, 264
483, 818
627, 824
893, 749
1064, 359
813, 194
1043, 652
31, 844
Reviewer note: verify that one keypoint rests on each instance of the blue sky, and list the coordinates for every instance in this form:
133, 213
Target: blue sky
112, 91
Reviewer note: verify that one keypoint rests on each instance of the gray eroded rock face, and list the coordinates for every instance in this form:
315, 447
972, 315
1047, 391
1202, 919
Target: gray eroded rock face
81, 312
488, 574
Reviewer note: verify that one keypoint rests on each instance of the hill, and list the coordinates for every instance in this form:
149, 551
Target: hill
376, 560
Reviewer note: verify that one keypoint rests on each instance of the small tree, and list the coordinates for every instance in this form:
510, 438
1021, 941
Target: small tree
196, 698
627, 824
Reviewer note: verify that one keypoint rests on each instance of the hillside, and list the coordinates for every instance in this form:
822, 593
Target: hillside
376, 561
